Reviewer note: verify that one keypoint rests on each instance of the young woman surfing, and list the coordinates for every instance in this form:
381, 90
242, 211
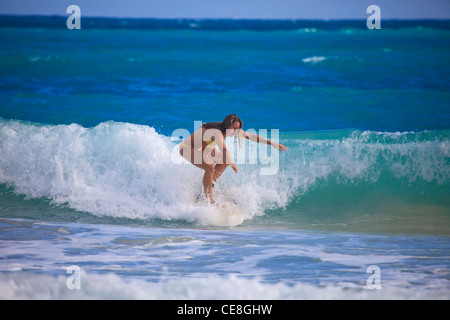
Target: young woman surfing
200, 149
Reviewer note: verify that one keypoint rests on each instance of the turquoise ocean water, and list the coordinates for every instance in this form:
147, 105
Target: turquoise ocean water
90, 175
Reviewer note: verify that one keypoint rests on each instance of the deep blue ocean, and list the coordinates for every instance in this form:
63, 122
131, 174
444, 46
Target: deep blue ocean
90, 175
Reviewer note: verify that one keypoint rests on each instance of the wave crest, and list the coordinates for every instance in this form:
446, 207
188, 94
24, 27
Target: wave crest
127, 170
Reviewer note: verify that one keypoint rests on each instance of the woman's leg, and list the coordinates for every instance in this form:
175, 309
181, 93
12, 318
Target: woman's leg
207, 181
190, 154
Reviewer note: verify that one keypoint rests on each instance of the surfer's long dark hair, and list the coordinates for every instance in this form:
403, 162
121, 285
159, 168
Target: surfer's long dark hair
225, 124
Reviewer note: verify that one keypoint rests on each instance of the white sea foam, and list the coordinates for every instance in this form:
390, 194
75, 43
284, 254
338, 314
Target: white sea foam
118, 170
111, 286
314, 59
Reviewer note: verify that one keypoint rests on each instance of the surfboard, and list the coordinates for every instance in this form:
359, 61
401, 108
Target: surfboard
224, 213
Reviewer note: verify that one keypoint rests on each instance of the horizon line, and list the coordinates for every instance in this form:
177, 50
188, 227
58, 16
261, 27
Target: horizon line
221, 18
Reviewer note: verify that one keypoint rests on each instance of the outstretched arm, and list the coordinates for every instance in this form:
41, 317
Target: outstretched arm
259, 139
